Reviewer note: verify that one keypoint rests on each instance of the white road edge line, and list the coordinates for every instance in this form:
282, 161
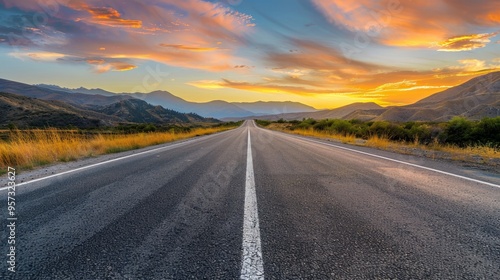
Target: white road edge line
175, 145
252, 266
398, 161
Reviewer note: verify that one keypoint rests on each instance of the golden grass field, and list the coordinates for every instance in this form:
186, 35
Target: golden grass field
29, 149
476, 154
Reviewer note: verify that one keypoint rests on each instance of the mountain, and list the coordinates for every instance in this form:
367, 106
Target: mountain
34, 106
24, 111
221, 109
337, 113
485, 87
364, 115
78, 99
77, 90
139, 111
475, 99
215, 109
274, 107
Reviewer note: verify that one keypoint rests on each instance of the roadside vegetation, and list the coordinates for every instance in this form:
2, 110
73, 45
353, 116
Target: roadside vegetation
458, 139
26, 149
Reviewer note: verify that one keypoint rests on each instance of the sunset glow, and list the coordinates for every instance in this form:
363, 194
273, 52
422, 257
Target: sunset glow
324, 53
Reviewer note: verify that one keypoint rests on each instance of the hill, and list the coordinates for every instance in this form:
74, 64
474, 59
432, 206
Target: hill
77, 99
77, 90
23, 111
475, 99
215, 109
139, 111
274, 107
337, 113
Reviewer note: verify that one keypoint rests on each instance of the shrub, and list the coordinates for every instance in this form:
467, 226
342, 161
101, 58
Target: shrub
458, 132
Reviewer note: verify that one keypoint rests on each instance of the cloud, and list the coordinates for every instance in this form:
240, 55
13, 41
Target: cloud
38, 56
416, 23
388, 87
471, 65
111, 17
207, 84
99, 64
396, 85
312, 69
259, 87
189, 48
177, 33
102, 65
318, 59
466, 42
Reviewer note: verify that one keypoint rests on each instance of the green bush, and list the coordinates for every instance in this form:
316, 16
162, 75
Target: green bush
263, 122
458, 131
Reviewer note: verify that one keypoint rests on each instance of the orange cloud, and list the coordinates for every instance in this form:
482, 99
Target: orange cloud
194, 34
188, 48
317, 59
38, 56
258, 87
101, 66
386, 87
111, 17
417, 23
466, 42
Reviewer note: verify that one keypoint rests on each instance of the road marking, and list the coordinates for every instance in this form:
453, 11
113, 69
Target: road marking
252, 266
118, 159
395, 160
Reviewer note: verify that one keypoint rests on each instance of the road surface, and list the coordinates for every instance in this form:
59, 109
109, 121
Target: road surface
252, 203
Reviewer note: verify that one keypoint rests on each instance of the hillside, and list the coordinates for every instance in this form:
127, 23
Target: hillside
337, 113
24, 111
77, 99
483, 88
77, 90
93, 109
139, 111
474, 99
274, 107
215, 109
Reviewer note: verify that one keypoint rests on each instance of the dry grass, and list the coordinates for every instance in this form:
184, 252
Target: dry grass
346, 139
379, 142
474, 154
284, 127
28, 149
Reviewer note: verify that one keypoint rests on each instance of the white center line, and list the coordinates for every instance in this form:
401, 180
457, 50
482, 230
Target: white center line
252, 265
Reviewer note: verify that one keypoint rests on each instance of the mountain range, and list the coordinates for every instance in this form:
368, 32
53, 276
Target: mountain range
474, 99
215, 109
337, 113
30, 106
49, 105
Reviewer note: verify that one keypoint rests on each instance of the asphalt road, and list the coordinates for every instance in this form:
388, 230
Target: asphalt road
294, 208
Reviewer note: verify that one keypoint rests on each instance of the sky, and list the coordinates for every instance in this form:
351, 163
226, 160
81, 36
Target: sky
323, 53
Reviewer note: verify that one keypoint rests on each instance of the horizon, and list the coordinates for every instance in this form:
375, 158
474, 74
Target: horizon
322, 53
131, 93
